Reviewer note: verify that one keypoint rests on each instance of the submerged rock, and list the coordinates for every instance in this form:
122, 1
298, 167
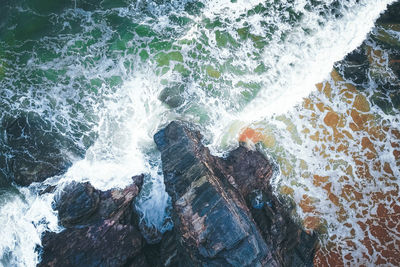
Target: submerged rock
36, 150
391, 15
173, 96
3, 180
386, 27
355, 66
216, 223
100, 229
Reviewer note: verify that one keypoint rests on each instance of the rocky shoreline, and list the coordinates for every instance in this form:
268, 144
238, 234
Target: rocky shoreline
224, 210
224, 214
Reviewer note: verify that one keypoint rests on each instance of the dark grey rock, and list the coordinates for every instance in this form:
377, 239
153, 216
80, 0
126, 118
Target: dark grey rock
107, 243
391, 15
78, 202
251, 171
99, 228
222, 205
4, 182
213, 225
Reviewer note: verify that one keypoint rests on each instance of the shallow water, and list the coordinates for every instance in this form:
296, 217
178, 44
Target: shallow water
105, 77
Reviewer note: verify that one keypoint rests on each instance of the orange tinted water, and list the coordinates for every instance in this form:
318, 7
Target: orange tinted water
347, 184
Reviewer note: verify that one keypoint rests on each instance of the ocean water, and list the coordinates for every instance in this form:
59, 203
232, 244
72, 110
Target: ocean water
101, 77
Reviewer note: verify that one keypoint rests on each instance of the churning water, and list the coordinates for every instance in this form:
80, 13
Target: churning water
106, 75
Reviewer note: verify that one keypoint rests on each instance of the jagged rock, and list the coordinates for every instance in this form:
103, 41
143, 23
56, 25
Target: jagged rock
165, 253
216, 221
251, 171
211, 196
100, 229
213, 225
151, 233
78, 202
106, 243
36, 150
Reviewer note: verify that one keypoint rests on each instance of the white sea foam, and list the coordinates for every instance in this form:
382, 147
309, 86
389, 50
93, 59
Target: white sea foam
24, 216
305, 58
125, 147
297, 56
126, 130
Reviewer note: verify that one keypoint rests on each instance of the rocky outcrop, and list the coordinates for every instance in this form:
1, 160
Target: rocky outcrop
251, 171
77, 203
224, 214
100, 229
213, 212
36, 151
212, 223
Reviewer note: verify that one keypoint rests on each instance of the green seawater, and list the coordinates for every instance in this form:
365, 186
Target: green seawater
100, 77
65, 59
64, 64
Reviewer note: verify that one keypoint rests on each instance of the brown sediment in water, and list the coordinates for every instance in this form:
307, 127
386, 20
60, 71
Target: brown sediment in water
364, 193
381, 228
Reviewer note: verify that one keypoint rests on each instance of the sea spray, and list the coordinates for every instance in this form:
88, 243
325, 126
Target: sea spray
97, 72
24, 217
303, 58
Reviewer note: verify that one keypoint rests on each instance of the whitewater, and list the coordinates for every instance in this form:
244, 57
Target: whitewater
108, 78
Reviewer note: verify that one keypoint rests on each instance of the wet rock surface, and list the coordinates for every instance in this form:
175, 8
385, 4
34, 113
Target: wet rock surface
100, 229
212, 224
215, 221
224, 214
77, 204
290, 244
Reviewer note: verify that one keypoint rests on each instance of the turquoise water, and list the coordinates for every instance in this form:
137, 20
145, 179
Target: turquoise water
100, 77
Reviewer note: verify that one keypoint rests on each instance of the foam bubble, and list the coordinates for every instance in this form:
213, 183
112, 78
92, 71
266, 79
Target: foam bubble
24, 217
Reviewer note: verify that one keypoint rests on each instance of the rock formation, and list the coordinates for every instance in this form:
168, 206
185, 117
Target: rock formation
212, 199
100, 229
224, 214
290, 244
